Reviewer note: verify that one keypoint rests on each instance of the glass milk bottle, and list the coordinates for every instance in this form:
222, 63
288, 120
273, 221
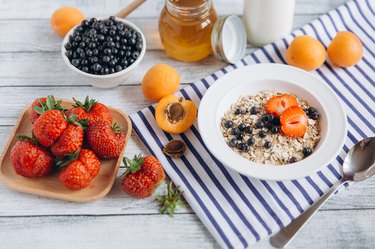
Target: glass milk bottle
267, 20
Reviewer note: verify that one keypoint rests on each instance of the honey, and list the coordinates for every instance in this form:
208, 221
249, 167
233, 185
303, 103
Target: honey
185, 28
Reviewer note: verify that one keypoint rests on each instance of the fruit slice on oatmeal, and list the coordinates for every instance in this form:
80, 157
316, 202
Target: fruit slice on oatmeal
271, 128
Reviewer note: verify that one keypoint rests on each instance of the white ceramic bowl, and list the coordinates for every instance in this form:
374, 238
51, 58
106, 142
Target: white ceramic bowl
109, 80
253, 79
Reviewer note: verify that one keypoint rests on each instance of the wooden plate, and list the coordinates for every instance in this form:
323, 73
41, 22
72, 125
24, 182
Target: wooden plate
51, 186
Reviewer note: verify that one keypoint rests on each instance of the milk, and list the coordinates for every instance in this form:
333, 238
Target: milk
267, 20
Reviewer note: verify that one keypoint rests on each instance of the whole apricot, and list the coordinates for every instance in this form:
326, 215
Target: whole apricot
65, 18
159, 81
306, 53
345, 49
175, 115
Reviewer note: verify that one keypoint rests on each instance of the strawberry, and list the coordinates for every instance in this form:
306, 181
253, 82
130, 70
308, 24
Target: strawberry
92, 110
293, 122
29, 159
278, 104
71, 139
41, 105
105, 140
49, 126
142, 176
78, 169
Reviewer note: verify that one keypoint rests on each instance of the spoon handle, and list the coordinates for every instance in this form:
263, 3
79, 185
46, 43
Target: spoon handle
287, 234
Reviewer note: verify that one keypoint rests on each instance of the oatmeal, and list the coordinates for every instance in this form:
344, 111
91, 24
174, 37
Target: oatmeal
271, 128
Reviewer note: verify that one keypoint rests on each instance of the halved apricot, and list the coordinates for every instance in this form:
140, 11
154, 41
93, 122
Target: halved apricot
175, 115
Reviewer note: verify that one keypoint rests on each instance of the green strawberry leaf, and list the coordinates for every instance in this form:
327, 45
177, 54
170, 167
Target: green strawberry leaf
171, 200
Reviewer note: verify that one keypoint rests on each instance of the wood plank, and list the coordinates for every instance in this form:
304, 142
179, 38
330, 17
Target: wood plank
328, 229
37, 36
44, 9
48, 69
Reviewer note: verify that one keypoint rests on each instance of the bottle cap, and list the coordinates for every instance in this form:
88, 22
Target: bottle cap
228, 39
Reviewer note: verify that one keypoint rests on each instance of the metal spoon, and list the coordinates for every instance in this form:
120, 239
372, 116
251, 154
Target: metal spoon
358, 165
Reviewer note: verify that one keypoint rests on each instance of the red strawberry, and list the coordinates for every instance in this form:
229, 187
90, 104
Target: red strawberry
49, 126
142, 176
278, 104
71, 139
29, 159
92, 110
79, 169
104, 140
41, 105
294, 122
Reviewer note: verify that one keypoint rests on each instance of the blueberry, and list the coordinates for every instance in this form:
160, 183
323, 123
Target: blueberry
107, 51
84, 62
80, 50
248, 130
112, 70
245, 147
132, 41
235, 131
112, 63
238, 111
114, 50
242, 127
228, 124
267, 144
120, 26
97, 67
85, 69
124, 41
124, 63
93, 20
89, 53
270, 117
139, 46
118, 68
100, 37
276, 121
112, 32
112, 18
262, 134
106, 59
265, 117
274, 129
116, 38
85, 23
293, 160
82, 55
315, 116
75, 44
79, 29
312, 110
239, 136
69, 53
95, 51
254, 110
68, 46
233, 142
109, 39
121, 53
75, 62
128, 34
94, 60
307, 151
135, 55
251, 141
105, 70
307, 111
259, 124
128, 54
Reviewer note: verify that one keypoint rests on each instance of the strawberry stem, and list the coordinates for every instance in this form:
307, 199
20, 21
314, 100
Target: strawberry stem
117, 128
133, 165
87, 105
61, 163
171, 200
72, 119
31, 139
50, 104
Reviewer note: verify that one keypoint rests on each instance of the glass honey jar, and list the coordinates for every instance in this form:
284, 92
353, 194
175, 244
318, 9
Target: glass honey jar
185, 28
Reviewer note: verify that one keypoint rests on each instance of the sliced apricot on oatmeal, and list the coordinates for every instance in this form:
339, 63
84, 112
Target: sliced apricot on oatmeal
278, 104
294, 122
175, 115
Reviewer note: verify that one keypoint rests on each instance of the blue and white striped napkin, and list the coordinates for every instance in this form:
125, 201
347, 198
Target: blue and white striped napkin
239, 210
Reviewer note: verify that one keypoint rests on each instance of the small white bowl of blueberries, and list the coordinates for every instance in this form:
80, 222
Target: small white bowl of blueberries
103, 52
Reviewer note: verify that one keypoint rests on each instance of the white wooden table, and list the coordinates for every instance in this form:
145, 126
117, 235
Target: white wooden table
31, 67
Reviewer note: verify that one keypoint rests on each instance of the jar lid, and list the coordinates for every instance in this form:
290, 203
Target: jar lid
228, 39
